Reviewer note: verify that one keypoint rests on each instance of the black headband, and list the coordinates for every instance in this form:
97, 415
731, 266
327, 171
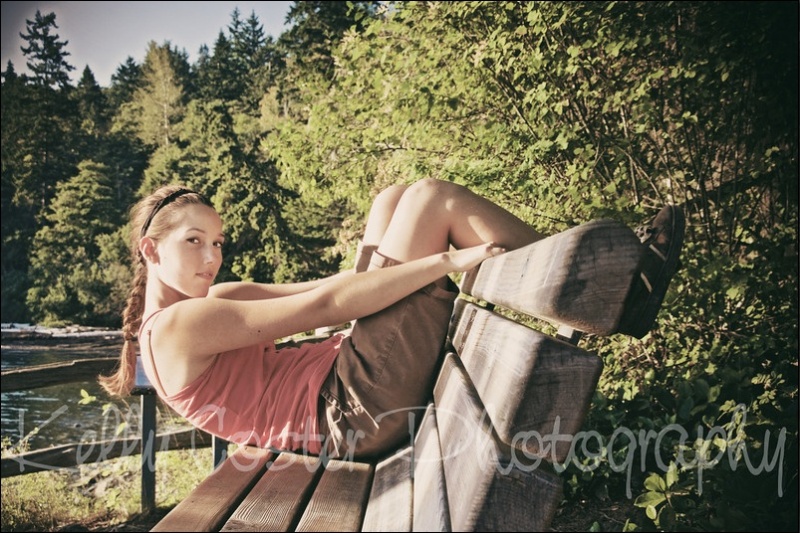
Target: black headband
160, 204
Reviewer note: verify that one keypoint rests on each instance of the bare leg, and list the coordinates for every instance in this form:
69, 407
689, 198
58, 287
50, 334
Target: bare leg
381, 213
431, 215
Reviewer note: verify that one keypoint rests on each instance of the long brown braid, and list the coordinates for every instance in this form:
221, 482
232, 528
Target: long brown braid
154, 216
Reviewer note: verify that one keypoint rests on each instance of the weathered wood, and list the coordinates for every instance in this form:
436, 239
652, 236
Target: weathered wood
72, 455
209, 505
339, 501
534, 387
578, 278
483, 459
47, 375
490, 486
391, 497
431, 512
277, 501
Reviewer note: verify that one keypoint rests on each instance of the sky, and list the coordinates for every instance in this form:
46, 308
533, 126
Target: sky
103, 35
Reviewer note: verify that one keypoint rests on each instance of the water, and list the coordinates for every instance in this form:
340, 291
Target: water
53, 416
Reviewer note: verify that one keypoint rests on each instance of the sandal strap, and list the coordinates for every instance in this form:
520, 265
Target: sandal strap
646, 282
659, 253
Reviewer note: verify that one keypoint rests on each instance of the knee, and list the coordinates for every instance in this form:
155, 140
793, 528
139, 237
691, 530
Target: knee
386, 201
429, 189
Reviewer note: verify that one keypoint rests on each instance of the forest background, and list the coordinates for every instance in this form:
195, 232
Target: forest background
561, 112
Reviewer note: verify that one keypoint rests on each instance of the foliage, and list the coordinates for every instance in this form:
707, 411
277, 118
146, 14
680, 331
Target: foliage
70, 279
157, 103
46, 54
108, 493
561, 112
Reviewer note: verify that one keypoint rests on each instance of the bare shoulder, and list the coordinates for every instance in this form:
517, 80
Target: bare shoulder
176, 362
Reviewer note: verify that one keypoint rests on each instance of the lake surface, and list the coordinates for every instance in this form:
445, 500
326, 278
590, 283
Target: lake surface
54, 415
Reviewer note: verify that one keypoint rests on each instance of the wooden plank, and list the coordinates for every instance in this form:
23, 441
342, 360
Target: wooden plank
577, 278
391, 497
76, 454
340, 499
490, 486
431, 511
277, 501
537, 390
216, 497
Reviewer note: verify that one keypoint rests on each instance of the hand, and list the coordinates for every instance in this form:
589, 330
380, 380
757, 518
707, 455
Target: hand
468, 258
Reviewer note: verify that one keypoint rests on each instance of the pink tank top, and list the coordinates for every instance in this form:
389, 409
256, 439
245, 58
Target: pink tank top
257, 395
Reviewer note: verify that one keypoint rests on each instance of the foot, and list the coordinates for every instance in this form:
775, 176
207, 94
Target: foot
663, 239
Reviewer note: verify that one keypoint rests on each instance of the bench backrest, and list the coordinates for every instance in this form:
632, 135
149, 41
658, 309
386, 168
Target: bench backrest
509, 398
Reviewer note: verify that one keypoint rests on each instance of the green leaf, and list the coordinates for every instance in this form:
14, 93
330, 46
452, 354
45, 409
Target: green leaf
654, 482
672, 474
86, 398
652, 513
629, 526
649, 499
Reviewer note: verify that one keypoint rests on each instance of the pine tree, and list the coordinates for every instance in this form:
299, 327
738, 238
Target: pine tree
124, 82
92, 106
217, 75
45, 53
158, 103
68, 282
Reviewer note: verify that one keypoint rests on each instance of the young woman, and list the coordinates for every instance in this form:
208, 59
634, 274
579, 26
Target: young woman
209, 349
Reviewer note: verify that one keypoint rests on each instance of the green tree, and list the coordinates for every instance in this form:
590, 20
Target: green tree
216, 74
39, 149
158, 103
46, 55
92, 106
564, 112
69, 283
16, 220
124, 82
315, 29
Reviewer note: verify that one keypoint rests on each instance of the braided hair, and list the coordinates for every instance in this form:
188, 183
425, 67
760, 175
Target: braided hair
154, 216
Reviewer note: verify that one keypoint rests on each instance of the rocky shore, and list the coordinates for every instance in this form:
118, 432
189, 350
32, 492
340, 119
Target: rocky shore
32, 337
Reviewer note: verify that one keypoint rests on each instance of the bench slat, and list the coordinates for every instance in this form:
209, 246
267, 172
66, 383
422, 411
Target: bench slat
210, 504
339, 501
391, 496
431, 512
278, 499
578, 278
532, 385
489, 487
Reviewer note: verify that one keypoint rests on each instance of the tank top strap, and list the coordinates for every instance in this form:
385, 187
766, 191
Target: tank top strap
151, 358
146, 320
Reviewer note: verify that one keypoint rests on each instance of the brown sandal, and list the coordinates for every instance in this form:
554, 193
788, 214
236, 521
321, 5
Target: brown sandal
663, 238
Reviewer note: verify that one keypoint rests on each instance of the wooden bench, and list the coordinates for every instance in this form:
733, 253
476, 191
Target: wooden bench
505, 406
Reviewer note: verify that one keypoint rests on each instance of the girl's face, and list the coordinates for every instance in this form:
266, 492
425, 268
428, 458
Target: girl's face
190, 256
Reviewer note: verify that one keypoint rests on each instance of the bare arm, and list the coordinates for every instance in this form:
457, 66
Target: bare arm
245, 290
204, 326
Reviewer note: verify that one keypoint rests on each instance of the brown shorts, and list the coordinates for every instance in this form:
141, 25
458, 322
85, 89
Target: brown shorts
374, 397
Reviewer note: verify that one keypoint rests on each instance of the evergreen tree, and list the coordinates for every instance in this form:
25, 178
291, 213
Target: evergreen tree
40, 148
317, 27
217, 74
68, 282
46, 57
17, 219
157, 105
124, 156
92, 106
124, 82
248, 40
